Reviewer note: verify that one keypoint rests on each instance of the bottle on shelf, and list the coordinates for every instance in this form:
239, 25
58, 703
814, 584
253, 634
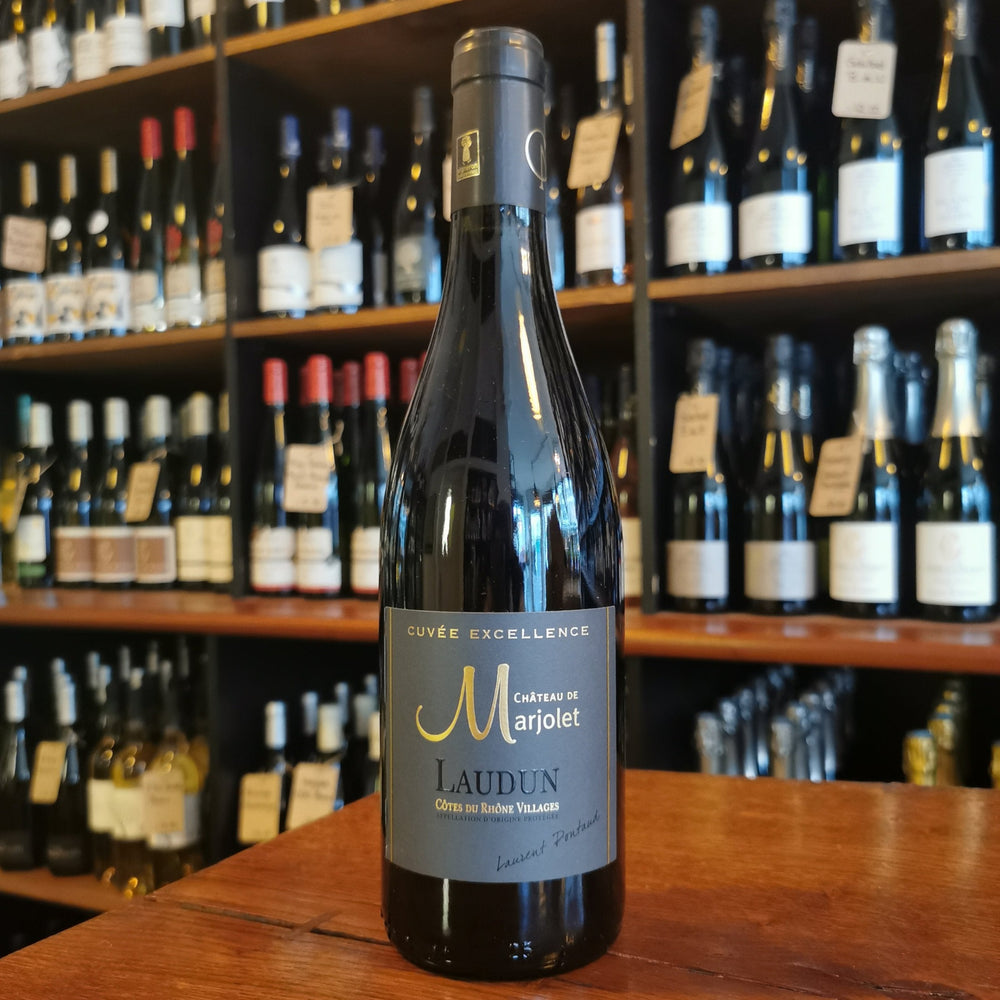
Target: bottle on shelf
201, 16
330, 747
625, 470
49, 59
164, 21
373, 765
919, 758
943, 728
779, 551
194, 499
355, 760
283, 278
348, 461
24, 291
88, 43
305, 748
71, 535
275, 756
699, 224
17, 837
409, 370
416, 252
108, 282
125, 36
372, 227
958, 153
986, 373
148, 307
100, 810
155, 536
65, 292
802, 403
33, 535
265, 14
553, 188
219, 522
182, 244
113, 540
13, 50
67, 842
776, 213
215, 264
600, 208
476, 518
955, 536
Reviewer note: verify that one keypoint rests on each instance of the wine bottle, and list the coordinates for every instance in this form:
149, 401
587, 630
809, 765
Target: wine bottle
67, 844
371, 225
370, 473
348, 463
355, 759
24, 291
409, 369
33, 535
737, 99
71, 535
815, 100
501, 504
49, 59
699, 222
779, 551
148, 307
156, 537
194, 494
16, 815
272, 541
100, 810
864, 548
775, 221
164, 21
698, 552
275, 758
89, 41
201, 15
416, 253
305, 748
283, 261
802, 403
563, 152
330, 747
600, 208
265, 14
958, 158
553, 188
956, 536
113, 539
125, 32
65, 294
108, 282
13, 50
182, 275
625, 469
373, 764
219, 522
215, 264
870, 173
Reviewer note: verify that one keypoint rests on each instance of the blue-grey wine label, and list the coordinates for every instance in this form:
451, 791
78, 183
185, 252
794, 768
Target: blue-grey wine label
500, 761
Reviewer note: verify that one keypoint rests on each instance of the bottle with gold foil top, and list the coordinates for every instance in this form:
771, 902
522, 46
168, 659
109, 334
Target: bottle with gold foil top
64, 284
920, 758
24, 291
941, 726
108, 311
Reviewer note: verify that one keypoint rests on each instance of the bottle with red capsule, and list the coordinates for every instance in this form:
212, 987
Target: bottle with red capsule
182, 277
409, 369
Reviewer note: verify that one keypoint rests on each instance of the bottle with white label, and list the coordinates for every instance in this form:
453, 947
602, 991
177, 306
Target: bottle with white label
214, 280
864, 546
49, 57
283, 266
625, 469
108, 283
956, 535
24, 290
148, 307
164, 22
201, 17
870, 174
779, 552
13, 52
125, 34
958, 160
182, 274
698, 550
89, 41
699, 222
33, 534
113, 540
72, 539
776, 216
372, 227
65, 293
100, 818
156, 537
331, 747
67, 841
600, 208
193, 501
219, 522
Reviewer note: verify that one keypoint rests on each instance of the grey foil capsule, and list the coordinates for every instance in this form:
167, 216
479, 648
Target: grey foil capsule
729, 713
798, 715
708, 740
747, 705
762, 695
782, 747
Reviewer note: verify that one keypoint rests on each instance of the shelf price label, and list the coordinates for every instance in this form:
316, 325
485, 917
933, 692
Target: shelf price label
260, 808
307, 478
693, 98
866, 75
594, 150
24, 244
314, 788
835, 491
692, 448
143, 478
46, 776
329, 216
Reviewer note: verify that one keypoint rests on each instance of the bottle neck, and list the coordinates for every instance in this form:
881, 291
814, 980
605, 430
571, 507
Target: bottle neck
778, 412
876, 24
871, 415
780, 64
337, 170
959, 39
420, 150
703, 381
608, 95
802, 404
955, 414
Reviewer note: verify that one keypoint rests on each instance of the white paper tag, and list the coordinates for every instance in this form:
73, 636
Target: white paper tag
870, 202
956, 564
143, 478
24, 244
693, 98
260, 808
329, 216
314, 789
692, 448
866, 73
307, 478
864, 562
835, 491
594, 150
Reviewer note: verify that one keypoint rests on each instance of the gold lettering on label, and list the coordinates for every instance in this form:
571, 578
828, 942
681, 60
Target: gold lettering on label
499, 708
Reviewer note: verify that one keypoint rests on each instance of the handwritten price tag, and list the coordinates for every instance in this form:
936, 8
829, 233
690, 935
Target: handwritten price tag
594, 150
307, 476
693, 98
47, 773
260, 808
329, 216
314, 788
692, 448
24, 244
835, 491
866, 75
143, 478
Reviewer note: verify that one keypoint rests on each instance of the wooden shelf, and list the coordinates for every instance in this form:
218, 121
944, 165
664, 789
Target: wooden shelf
83, 892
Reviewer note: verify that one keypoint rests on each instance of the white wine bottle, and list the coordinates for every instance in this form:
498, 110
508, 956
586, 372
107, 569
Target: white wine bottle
501, 574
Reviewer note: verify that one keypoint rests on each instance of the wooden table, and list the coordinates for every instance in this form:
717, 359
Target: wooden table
736, 889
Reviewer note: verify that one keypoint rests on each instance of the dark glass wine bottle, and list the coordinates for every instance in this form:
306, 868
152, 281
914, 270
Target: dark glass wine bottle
214, 282
164, 20
956, 536
416, 252
275, 751
501, 518
958, 156
699, 222
266, 14
348, 461
33, 535
409, 369
201, 15
219, 526
372, 227
815, 99
88, 43
193, 502
625, 469
864, 547
698, 552
65, 294
126, 40
779, 551
13, 50
802, 403
113, 539
24, 291
182, 243
71, 535
870, 175
16, 815
775, 223
49, 59
331, 747
108, 282
156, 537
148, 307
100, 815
67, 841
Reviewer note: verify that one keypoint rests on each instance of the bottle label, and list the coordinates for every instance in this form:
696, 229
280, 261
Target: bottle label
698, 569
163, 13
192, 549
518, 782
272, 551
74, 555
148, 310
100, 810
317, 569
200, 8
90, 55
114, 555
780, 222
780, 571
13, 69
126, 805
699, 233
25, 309
127, 40
416, 266
171, 817
283, 279
956, 566
29, 539
219, 545
65, 298
155, 555
864, 562
600, 238
337, 276
957, 191
108, 299
215, 291
870, 206
50, 58
182, 290
380, 278
365, 560
632, 553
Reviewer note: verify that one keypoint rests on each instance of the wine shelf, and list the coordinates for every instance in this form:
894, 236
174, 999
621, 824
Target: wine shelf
903, 644
82, 892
